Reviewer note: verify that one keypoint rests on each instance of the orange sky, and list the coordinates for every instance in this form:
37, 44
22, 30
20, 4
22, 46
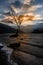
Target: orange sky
24, 19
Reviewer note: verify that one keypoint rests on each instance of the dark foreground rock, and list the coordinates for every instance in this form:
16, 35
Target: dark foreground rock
14, 45
3, 58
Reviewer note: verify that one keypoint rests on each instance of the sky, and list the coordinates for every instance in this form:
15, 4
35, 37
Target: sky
30, 7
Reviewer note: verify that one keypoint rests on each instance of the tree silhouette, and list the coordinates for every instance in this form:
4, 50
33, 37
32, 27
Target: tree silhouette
13, 16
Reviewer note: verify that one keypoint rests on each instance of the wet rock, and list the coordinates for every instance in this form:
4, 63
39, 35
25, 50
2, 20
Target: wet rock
14, 45
1, 46
21, 39
3, 58
14, 35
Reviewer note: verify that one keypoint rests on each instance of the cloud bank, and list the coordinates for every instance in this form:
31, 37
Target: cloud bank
30, 7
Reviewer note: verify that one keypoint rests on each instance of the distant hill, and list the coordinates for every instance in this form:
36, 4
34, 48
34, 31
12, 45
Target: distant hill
6, 29
37, 28
39, 25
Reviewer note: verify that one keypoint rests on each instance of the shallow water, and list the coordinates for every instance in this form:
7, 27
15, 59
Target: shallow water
29, 43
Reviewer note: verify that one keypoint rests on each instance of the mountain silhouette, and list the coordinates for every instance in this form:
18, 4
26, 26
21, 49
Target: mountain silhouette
6, 29
38, 28
33, 28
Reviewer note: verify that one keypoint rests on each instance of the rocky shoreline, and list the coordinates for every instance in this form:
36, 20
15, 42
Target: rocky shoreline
5, 54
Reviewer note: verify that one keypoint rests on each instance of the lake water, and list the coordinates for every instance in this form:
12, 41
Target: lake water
29, 43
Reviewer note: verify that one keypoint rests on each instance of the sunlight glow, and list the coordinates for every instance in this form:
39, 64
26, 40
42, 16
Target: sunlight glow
24, 19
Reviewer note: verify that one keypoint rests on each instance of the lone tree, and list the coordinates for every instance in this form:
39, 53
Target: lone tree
14, 17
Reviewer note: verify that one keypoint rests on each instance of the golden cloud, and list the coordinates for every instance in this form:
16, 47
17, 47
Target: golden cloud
27, 1
38, 17
22, 18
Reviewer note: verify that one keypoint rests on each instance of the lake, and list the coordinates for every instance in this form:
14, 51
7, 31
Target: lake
30, 51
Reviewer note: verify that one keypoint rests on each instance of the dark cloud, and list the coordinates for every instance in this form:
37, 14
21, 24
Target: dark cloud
7, 13
17, 4
20, 5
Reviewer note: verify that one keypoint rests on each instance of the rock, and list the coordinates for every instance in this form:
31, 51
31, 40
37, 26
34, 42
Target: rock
14, 45
1, 45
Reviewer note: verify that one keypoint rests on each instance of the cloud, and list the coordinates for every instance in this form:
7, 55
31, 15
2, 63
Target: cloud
35, 7
30, 7
24, 6
20, 6
36, 2
38, 17
11, 1
17, 4
27, 1
0, 14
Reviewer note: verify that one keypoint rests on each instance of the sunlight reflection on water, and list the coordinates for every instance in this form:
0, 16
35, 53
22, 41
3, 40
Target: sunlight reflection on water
35, 39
